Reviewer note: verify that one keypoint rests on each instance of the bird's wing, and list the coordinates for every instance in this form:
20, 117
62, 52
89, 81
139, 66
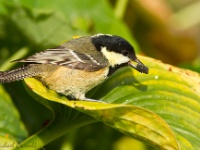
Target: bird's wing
65, 57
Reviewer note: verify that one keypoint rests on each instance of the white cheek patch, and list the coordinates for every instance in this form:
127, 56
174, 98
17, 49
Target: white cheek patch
114, 58
101, 34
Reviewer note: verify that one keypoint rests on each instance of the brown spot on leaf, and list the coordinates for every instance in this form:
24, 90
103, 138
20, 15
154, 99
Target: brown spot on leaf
46, 122
7, 135
170, 68
187, 73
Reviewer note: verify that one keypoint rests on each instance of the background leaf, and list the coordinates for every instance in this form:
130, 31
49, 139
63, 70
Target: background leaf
11, 128
61, 22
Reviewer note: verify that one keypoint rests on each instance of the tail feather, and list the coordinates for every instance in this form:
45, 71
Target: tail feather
16, 74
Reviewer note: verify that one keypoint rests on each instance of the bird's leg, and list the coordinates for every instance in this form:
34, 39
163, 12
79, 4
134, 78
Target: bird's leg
83, 98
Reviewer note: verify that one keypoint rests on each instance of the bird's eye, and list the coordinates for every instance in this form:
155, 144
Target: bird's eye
125, 52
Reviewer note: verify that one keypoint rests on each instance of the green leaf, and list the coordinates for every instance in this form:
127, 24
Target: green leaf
134, 121
170, 92
11, 128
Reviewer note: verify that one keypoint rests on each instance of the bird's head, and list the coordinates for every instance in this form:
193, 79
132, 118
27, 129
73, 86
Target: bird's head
118, 51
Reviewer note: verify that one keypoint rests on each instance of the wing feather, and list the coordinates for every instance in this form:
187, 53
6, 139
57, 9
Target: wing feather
65, 57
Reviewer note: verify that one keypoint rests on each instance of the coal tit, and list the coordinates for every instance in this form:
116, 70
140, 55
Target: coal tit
75, 67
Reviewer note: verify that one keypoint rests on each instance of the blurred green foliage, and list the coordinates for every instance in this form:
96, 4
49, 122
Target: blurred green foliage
29, 26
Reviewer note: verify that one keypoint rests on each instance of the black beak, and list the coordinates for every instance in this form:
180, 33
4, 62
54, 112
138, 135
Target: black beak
139, 66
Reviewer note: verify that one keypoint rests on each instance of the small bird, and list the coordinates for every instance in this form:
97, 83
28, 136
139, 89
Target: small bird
75, 67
